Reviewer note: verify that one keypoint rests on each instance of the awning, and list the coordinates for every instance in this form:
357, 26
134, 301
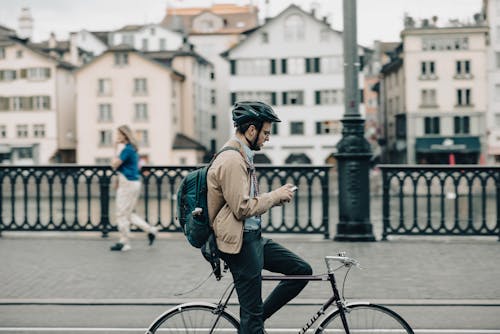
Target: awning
448, 144
5, 149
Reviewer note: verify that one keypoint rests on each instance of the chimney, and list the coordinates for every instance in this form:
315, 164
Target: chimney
25, 22
73, 48
52, 45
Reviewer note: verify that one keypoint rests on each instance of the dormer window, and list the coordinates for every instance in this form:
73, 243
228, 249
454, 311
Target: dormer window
121, 58
294, 28
265, 37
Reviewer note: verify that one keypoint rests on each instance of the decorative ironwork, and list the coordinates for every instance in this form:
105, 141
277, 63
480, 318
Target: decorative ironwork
80, 198
440, 200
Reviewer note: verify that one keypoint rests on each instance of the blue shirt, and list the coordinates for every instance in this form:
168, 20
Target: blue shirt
130, 163
251, 223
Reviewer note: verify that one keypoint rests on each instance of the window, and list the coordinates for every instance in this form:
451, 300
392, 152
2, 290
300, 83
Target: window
497, 120
3, 131
212, 96
213, 122
35, 73
463, 69
264, 37
141, 112
2, 52
427, 70
41, 102
273, 66
232, 64
283, 66
497, 56
464, 97
445, 43
140, 86
213, 145
19, 53
293, 97
8, 75
105, 137
24, 152
4, 103
105, 114
144, 44
253, 67
142, 137
39, 130
431, 125
163, 44
128, 39
312, 65
274, 128
102, 161
121, 58
267, 97
329, 96
22, 131
497, 92
331, 64
428, 98
461, 124
296, 65
328, 127
152, 31
294, 28
104, 87
296, 128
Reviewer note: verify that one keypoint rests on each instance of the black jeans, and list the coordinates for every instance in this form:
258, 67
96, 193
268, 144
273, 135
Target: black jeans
259, 253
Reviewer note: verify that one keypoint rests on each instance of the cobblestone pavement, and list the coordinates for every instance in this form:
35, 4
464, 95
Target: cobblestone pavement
70, 266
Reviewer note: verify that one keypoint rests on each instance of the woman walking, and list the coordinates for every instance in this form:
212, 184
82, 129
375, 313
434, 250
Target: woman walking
129, 189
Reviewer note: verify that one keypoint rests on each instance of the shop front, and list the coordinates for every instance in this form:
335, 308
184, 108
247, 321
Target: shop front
448, 150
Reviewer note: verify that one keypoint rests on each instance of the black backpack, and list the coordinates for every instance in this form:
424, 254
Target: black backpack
192, 208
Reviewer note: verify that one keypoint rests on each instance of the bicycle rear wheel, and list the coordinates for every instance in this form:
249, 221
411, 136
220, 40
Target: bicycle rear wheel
195, 318
365, 319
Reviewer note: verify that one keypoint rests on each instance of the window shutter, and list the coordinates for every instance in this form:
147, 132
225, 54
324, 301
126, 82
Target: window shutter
47, 72
273, 66
456, 121
283, 66
233, 98
308, 65
318, 96
284, 98
316, 65
23, 73
273, 98
233, 67
465, 124
318, 128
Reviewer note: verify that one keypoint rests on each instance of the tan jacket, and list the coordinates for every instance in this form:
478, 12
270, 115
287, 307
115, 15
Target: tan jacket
229, 203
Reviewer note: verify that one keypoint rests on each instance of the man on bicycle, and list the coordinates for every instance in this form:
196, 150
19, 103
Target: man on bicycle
235, 206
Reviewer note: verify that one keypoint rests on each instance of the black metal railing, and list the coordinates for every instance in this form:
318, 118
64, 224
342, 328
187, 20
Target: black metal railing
80, 198
440, 200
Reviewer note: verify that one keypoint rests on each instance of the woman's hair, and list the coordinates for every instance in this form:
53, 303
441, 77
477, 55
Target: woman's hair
129, 135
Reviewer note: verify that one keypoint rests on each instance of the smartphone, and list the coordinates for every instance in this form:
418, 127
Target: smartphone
294, 188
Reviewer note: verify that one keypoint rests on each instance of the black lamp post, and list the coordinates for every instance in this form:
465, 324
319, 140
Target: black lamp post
353, 151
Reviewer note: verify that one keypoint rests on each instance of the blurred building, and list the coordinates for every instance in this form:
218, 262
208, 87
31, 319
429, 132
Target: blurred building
36, 104
150, 37
295, 63
161, 95
435, 95
213, 30
491, 9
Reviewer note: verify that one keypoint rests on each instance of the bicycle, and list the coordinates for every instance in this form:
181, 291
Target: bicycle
349, 318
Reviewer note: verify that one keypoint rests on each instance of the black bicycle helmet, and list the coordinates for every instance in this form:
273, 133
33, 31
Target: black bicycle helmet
245, 111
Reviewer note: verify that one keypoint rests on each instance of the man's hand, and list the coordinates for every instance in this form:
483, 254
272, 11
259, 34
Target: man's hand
285, 193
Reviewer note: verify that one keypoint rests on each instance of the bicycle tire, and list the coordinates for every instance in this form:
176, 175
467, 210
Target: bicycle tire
195, 318
366, 319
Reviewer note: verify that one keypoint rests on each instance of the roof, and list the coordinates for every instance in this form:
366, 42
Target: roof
182, 18
169, 55
268, 21
101, 35
131, 27
183, 142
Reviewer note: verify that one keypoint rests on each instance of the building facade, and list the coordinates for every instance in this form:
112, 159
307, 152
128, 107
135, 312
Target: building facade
492, 8
213, 30
295, 63
37, 112
445, 92
150, 37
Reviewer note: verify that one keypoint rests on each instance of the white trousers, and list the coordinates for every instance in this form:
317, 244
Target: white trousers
127, 195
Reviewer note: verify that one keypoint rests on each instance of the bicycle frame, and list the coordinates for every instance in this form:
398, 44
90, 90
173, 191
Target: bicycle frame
333, 299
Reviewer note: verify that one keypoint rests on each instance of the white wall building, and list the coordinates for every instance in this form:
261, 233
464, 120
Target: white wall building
37, 124
445, 92
294, 62
492, 8
151, 37
95, 42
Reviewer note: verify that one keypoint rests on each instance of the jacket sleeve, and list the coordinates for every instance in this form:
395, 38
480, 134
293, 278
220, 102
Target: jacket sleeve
233, 176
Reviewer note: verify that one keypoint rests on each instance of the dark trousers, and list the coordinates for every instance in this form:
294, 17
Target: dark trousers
259, 253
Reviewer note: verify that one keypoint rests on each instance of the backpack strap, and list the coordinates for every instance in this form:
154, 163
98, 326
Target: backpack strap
226, 148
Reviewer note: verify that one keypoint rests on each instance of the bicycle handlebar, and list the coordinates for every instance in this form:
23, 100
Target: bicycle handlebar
342, 258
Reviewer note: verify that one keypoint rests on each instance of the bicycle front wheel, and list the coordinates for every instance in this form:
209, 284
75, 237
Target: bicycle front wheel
195, 318
365, 319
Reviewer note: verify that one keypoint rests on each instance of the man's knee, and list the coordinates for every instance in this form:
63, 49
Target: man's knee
304, 268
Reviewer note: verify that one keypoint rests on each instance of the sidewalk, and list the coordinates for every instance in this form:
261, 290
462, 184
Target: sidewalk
79, 268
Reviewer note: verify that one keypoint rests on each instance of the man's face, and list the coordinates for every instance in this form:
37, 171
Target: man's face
263, 135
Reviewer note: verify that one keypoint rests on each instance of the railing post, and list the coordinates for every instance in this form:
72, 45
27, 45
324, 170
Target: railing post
326, 200
385, 204
104, 183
